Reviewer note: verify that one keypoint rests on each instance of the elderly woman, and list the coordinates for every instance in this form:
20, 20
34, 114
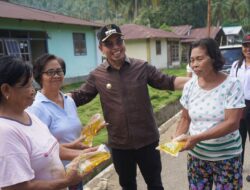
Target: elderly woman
212, 105
29, 154
57, 110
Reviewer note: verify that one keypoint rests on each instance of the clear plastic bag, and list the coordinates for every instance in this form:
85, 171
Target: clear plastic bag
95, 124
85, 163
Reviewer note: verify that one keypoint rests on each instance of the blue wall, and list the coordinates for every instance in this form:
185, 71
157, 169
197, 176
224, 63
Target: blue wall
60, 43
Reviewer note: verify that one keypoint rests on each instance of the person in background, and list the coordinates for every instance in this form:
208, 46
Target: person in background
241, 70
122, 83
212, 105
29, 154
189, 71
57, 110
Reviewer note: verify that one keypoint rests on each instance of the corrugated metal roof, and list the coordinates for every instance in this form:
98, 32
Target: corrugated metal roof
232, 30
134, 31
14, 11
182, 29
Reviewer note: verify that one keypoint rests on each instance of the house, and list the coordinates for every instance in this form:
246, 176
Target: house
182, 30
157, 47
27, 33
192, 34
234, 34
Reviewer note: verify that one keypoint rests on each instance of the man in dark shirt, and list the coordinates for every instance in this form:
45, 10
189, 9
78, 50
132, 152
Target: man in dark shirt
122, 85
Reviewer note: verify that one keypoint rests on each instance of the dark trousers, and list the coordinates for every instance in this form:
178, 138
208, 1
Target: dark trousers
149, 161
245, 127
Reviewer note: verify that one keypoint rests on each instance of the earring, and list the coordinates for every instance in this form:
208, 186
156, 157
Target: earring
7, 97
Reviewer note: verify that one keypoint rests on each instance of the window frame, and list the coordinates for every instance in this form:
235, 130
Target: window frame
79, 45
174, 48
158, 47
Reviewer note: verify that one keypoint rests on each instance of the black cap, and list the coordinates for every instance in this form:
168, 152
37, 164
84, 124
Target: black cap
105, 32
246, 39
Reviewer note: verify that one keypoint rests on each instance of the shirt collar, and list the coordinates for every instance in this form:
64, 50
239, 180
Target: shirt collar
42, 98
108, 66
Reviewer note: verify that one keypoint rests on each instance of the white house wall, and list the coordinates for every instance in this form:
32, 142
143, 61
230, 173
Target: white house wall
136, 49
159, 61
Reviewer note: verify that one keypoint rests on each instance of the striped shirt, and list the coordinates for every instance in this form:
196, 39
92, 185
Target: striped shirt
206, 109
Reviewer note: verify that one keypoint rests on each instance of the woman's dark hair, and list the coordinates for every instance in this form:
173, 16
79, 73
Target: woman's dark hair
40, 64
13, 70
62, 63
213, 51
240, 62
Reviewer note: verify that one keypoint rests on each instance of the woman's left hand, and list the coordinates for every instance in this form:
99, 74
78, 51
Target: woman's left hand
91, 149
76, 144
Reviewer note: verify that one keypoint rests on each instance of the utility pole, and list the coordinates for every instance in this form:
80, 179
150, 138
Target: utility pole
136, 9
208, 17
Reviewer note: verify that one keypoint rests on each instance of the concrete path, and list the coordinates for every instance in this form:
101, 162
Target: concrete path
174, 173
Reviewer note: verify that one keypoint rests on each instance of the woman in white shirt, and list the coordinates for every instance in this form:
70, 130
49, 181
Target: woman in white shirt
212, 104
241, 70
29, 154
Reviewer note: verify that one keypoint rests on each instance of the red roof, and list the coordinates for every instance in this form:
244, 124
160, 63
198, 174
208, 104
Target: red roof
202, 32
14, 11
199, 33
134, 31
182, 29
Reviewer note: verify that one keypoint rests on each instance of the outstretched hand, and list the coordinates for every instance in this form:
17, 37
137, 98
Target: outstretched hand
78, 143
72, 177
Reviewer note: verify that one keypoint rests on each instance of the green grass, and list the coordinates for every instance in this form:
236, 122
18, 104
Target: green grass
159, 98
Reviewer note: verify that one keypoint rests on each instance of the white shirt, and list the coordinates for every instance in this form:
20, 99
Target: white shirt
28, 152
206, 109
243, 75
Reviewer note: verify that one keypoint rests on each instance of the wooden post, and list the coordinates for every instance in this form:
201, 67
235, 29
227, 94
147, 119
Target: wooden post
208, 17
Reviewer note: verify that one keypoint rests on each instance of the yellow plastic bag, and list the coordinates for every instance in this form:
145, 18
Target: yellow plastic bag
95, 124
85, 163
173, 147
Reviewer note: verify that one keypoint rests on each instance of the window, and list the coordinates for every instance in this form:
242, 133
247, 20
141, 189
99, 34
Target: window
22, 43
158, 47
25, 50
174, 47
18, 48
12, 47
79, 44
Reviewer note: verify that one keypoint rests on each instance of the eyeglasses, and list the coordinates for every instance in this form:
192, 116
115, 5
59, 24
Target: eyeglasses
246, 45
53, 72
110, 44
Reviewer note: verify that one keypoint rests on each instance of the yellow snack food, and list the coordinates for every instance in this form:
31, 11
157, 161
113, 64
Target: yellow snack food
95, 124
85, 163
173, 148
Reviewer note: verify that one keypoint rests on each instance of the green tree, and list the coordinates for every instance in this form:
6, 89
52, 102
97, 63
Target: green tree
154, 13
246, 19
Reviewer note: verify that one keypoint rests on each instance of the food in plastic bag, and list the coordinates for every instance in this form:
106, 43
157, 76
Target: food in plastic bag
95, 124
85, 163
173, 148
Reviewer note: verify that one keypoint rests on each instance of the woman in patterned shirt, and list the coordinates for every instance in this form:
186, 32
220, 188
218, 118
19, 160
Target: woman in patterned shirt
212, 105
